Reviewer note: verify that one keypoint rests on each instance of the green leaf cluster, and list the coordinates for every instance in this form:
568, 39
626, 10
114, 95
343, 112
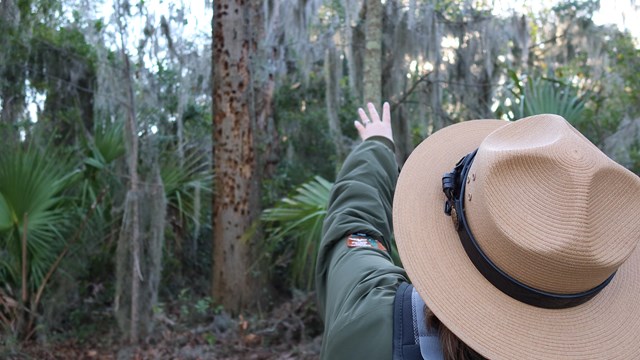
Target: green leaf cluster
295, 224
183, 181
33, 206
540, 95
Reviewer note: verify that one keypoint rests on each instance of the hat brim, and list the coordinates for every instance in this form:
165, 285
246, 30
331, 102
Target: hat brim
489, 321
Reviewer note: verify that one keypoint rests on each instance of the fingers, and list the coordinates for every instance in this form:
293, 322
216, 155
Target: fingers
373, 112
386, 113
370, 124
363, 116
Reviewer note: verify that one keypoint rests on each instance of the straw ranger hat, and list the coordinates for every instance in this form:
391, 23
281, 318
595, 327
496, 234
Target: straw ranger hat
525, 248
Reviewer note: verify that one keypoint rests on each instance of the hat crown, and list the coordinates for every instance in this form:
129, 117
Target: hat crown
549, 208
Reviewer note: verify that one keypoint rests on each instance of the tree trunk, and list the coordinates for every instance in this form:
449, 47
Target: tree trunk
264, 69
128, 270
373, 53
235, 167
12, 75
437, 119
355, 36
332, 69
131, 134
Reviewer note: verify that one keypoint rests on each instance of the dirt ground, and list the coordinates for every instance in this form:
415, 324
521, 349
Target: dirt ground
290, 331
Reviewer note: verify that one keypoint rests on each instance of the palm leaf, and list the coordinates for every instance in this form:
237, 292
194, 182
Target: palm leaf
180, 182
544, 96
5, 214
298, 220
32, 184
109, 142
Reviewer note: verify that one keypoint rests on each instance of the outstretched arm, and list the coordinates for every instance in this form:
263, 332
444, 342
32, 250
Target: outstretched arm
355, 276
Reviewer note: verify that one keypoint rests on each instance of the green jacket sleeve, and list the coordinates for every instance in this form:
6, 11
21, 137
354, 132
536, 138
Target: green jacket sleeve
356, 286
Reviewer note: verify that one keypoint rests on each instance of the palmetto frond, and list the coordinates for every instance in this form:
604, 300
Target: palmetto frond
545, 96
298, 219
107, 145
183, 183
31, 185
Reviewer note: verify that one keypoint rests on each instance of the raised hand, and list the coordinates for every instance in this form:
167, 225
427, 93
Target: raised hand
371, 125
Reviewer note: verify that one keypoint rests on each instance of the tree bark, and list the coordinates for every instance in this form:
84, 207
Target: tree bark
373, 53
129, 246
12, 75
437, 120
355, 36
131, 134
332, 69
235, 203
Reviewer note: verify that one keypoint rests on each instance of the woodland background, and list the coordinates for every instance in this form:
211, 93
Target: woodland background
163, 185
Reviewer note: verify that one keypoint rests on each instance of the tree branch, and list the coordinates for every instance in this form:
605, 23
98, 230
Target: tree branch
396, 103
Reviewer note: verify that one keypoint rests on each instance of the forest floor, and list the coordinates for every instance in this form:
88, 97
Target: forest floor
292, 330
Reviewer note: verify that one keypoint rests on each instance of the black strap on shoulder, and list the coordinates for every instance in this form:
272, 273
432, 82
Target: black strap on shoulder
406, 345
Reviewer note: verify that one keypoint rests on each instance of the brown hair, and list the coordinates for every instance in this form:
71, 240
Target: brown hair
452, 347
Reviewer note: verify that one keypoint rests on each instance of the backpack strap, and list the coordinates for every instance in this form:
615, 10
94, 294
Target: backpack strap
411, 338
406, 344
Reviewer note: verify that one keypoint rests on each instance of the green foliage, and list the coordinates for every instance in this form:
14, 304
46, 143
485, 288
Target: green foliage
456, 10
203, 306
300, 115
614, 96
533, 96
572, 9
101, 154
189, 308
305, 143
210, 338
55, 52
183, 183
32, 184
62, 66
107, 146
188, 190
295, 224
5, 214
625, 56
109, 142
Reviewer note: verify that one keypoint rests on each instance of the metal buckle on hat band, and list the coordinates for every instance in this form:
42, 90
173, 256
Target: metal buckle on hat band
453, 186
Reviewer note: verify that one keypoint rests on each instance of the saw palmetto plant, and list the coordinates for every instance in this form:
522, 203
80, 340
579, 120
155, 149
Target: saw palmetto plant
297, 220
538, 95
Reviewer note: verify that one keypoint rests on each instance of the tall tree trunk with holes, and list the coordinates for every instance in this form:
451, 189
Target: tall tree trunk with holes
235, 205
373, 53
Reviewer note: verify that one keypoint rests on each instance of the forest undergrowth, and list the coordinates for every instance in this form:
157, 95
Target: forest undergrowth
291, 330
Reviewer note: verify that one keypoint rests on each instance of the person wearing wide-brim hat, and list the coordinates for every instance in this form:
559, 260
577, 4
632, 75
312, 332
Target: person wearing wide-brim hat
519, 240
